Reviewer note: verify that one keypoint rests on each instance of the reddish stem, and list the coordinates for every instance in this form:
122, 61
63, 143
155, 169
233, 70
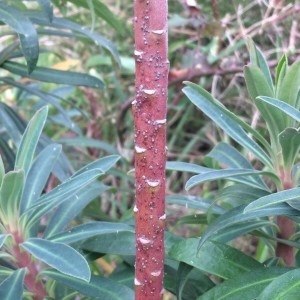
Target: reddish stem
149, 111
24, 260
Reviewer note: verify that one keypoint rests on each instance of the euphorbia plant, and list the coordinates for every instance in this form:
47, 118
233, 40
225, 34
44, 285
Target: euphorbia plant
149, 111
37, 260
258, 185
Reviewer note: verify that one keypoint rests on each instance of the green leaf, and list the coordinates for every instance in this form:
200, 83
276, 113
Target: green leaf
231, 232
59, 256
245, 286
290, 144
229, 174
286, 286
10, 195
3, 238
182, 276
229, 123
257, 58
289, 88
103, 164
189, 201
68, 24
69, 209
186, 167
282, 106
85, 231
2, 170
98, 287
26, 31
59, 194
47, 8
280, 72
30, 140
38, 176
12, 286
276, 198
237, 216
227, 155
54, 76
88, 142
214, 258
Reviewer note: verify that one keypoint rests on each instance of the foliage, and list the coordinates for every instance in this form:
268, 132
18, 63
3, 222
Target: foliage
252, 192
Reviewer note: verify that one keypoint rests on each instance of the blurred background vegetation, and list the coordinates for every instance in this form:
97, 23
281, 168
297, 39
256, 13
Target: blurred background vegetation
207, 45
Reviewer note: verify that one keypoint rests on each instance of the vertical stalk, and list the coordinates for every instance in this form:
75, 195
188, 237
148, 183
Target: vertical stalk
149, 111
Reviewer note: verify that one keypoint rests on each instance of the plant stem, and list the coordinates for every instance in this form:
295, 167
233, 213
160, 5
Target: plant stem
149, 111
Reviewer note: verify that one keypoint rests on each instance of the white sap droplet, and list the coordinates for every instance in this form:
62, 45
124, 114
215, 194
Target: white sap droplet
137, 282
135, 209
134, 102
139, 149
145, 241
149, 92
163, 217
153, 183
158, 31
156, 273
162, 121
137, 52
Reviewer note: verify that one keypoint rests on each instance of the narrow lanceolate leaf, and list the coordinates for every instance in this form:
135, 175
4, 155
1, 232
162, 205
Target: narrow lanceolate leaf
103, 164
245, 286
276, 198
289, 140
59, 256
26, 31
12, 286
228, 122
186, 167
38, 176
47, 8
230, 157
60, 194
3, 238
282, 106
86, 32
189, 201
54, 76
214, 258
280, 72
237, 215
237, 175
69, 209
257, 58
85, 231
10, 194
286, 286
2, 170
96, 288
30, 140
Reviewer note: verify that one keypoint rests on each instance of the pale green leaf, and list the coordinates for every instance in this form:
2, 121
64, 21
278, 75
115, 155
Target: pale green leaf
26, 31
286, 286
98, 288
47, 8
30, 140
272, 199
228, 121
12, 286
2, 170
54, 76
237, 215
290, 144
85, 231
3, 238
69, 209
214, 258
245, 286
59, 256
38, 176
237, 175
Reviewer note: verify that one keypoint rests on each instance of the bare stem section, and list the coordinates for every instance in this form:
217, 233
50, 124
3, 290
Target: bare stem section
149, 111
